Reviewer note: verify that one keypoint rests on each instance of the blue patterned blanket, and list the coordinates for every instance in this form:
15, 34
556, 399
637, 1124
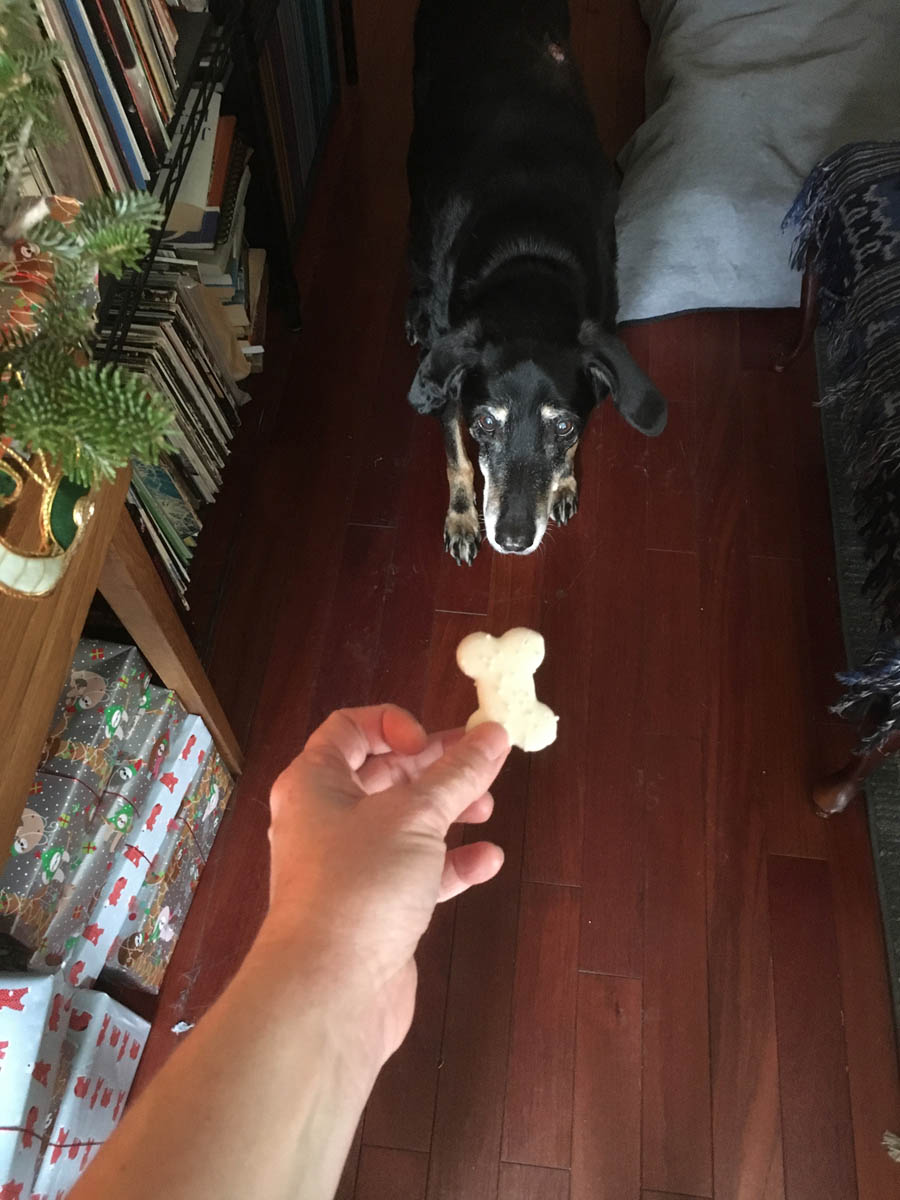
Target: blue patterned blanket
847, 218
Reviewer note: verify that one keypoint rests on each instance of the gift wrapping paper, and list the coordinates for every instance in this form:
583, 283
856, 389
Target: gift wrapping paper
67, 1061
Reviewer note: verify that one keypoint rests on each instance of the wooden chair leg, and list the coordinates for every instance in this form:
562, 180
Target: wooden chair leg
809, 315
833, 794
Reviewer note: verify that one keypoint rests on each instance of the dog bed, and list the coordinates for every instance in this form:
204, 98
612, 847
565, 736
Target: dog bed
743, 98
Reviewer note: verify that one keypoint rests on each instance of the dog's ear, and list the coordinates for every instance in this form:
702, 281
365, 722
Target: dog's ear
440, 375
610, 367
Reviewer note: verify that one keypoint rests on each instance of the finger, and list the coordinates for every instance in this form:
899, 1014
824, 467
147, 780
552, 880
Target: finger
478, 811
460, 776
467, 865
382, 771
402, 731
352, 734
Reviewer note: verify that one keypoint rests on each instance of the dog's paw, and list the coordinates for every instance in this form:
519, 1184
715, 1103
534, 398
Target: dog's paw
565, 502
416, 323
462, 536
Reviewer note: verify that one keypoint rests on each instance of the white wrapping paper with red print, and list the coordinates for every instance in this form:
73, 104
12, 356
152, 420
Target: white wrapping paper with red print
33, 1022
107, 1041
80, 937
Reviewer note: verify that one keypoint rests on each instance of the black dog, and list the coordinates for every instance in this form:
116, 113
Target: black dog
512, 248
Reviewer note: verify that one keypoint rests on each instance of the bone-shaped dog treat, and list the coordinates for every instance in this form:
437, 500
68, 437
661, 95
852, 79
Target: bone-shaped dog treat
503, 669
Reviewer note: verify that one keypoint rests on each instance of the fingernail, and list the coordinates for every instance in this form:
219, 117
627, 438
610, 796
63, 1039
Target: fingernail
490, 738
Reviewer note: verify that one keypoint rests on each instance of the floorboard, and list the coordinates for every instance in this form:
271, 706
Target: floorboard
391, 1174
465, 1148
518, 1182
537, 1125
868, 1033
676, 1120
606, 1141
812, 1058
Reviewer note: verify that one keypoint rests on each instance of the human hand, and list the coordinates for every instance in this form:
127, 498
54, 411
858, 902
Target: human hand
359, 860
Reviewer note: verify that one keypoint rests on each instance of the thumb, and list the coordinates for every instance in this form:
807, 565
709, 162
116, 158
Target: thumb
446, 789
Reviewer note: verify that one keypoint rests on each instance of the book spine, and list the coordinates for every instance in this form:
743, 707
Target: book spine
85, 104
112, 106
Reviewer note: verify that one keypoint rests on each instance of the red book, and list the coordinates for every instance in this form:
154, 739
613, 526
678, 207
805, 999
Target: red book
221, 155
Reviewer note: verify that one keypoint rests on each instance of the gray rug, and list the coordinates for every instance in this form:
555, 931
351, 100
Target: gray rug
860, 624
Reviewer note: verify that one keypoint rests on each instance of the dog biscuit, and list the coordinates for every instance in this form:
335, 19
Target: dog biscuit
503, 669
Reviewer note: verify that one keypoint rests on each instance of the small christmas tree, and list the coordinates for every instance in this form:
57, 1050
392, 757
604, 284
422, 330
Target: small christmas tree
89, 420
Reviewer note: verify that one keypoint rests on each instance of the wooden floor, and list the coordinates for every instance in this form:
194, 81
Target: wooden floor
676, 987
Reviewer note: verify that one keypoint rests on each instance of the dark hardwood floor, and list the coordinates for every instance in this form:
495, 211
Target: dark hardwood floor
676, 987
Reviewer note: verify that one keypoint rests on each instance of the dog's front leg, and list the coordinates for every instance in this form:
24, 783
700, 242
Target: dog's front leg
564, 505
462, 530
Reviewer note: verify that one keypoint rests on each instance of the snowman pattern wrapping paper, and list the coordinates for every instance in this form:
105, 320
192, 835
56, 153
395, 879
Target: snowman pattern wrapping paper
120, 761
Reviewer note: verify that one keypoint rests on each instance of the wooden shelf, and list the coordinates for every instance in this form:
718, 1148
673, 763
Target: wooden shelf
39, 637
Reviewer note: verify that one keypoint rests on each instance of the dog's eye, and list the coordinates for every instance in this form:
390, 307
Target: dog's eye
564, 427
486, 423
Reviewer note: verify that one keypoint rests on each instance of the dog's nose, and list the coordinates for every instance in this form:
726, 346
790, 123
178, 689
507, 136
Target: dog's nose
515, 543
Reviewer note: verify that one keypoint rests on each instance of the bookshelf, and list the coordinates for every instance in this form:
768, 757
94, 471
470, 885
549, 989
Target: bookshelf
218, 55
40, 636
225, 59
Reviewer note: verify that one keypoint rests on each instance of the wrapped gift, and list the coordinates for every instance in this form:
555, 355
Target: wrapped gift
67, 1062
135, 822
141, 953
105, 1042
120, 759
106, 692
108, 723
33, 1021
206, 801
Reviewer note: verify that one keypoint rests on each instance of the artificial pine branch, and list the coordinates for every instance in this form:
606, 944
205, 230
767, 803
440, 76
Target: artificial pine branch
79, 417
28, 79
89, 419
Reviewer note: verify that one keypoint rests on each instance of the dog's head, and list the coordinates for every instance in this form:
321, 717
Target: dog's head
526, 405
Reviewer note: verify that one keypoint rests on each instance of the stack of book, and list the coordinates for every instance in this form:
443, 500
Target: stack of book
206, 229
128, 73
120, 79
180, 343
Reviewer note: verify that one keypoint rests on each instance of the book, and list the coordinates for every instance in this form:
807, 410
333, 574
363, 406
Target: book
66, 161
84, 104
191, 215
235, 186
128, 79
138, 20
238, 318
168, 32
165, 54
112, 105
174, 518
203, 238
221, 158
171, 573
137, 75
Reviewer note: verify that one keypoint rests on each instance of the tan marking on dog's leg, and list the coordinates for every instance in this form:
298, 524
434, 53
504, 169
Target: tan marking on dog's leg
462, 530
565, 496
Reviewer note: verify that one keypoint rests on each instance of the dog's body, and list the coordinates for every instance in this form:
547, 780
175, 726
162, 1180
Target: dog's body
512, 249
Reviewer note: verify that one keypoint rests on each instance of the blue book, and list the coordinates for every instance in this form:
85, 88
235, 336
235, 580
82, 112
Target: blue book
115, 113
203, 239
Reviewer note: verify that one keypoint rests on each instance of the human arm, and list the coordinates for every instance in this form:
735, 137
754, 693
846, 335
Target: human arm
264, 1096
